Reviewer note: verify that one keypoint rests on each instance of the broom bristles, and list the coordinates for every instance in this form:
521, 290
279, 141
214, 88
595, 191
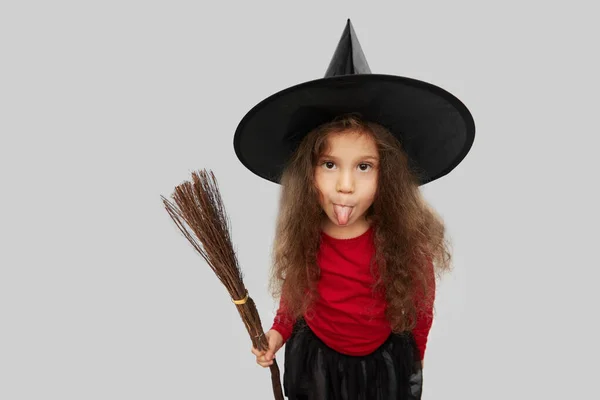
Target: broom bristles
200, 215
200, 208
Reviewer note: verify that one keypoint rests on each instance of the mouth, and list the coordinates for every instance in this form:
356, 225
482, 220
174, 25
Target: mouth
342, 213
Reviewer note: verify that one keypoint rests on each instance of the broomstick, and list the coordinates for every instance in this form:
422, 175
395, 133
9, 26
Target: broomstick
201, 207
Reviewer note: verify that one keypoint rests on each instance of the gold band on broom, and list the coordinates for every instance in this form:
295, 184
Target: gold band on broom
200, 206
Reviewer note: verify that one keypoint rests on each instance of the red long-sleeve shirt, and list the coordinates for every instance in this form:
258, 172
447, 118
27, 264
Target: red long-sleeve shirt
348, 316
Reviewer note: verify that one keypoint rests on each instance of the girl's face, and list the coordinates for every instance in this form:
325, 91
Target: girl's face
346, 177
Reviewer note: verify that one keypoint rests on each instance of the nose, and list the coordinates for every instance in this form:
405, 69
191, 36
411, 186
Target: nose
345, 182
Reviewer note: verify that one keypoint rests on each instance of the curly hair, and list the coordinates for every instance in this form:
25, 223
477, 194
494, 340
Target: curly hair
409, 237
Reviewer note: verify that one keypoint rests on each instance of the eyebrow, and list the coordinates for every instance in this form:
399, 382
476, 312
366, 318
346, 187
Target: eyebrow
363, 157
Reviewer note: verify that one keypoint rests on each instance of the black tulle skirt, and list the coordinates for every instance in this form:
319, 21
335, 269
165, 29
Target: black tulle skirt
314, 371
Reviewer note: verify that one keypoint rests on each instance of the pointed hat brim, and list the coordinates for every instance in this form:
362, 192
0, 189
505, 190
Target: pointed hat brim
433, 126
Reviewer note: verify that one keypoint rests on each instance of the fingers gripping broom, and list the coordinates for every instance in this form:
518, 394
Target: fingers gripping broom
200, 206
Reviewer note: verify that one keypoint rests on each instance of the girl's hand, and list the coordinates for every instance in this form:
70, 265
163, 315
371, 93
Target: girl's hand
265, 358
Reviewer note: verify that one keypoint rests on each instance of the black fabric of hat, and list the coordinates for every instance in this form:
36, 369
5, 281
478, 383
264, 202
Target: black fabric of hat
434, 127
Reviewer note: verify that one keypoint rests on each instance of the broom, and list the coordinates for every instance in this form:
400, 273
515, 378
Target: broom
200, 206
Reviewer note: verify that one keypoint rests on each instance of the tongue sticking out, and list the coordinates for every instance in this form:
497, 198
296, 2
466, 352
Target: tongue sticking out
342, 213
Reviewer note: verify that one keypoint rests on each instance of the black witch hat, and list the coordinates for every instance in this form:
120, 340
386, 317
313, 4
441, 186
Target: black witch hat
435, 128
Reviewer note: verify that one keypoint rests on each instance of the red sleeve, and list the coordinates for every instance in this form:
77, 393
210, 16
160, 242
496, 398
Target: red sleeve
425, 316
283, 322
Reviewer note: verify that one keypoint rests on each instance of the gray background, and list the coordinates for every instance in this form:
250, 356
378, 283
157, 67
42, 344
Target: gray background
105, 106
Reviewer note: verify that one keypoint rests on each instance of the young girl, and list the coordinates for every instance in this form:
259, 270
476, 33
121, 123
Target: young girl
356, 244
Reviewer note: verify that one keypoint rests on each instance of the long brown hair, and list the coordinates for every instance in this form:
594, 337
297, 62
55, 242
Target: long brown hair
409, 237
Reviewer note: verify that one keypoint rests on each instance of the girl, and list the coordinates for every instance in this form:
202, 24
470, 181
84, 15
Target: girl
356, 244
358, 168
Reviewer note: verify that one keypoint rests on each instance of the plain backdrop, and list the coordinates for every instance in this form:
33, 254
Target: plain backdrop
107, 105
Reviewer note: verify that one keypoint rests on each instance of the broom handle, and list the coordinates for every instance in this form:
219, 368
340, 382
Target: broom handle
275, 380
262, 343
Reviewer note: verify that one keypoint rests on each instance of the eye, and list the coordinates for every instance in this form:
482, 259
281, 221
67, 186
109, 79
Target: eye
327, 162
368, 165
